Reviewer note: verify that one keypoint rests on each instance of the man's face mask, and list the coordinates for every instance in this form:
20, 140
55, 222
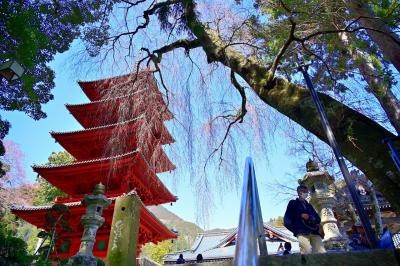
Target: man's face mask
303, 194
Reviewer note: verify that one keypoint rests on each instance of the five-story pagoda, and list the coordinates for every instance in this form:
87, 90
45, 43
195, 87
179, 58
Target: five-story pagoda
120, 147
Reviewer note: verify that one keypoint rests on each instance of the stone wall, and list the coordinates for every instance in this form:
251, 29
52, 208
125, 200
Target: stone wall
146, 262
354, 258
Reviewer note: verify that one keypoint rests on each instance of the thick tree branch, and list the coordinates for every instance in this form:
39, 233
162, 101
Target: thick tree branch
240, 89
183, 43
156, 55
131, 4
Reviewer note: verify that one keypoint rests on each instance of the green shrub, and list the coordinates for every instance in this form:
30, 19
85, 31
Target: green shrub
13, 250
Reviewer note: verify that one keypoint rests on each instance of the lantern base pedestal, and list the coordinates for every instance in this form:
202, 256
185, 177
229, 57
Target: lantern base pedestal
336, 244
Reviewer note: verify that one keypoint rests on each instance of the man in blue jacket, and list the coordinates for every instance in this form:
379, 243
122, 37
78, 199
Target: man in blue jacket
303, 221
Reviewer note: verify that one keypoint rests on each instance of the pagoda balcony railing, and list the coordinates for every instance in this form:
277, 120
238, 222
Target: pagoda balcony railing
250, 242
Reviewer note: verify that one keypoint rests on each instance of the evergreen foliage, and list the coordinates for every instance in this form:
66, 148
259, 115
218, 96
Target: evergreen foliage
47, 192
277, 222
16, 231
157, 252
13, 250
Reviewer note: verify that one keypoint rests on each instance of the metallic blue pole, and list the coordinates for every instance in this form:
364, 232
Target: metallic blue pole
393, 151
340, 159
251, 228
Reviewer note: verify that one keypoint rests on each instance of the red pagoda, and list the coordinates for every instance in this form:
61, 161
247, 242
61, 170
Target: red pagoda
120, 147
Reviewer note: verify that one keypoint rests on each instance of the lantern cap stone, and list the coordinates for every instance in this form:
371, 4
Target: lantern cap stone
99, 189
311, 166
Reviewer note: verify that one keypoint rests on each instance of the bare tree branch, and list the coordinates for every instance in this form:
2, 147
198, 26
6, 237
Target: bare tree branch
146, 15
284, 47
131, 4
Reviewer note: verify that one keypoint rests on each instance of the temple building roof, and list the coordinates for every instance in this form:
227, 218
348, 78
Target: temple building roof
151, 229
217, 246
119, 173
111, 111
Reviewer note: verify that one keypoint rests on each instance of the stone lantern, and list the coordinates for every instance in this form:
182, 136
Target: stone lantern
322, 198
11, 70
91, 221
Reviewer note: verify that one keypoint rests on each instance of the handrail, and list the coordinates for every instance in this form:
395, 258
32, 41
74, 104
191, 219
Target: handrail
393, 151
251, 228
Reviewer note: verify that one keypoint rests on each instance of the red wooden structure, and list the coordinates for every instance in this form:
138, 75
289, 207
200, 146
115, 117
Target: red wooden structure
120, 146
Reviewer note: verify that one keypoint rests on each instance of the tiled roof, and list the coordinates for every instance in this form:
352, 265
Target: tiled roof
79, 203
281, 231
96, 89
99, 127
105, 100
69, 204
142, 72
88, 161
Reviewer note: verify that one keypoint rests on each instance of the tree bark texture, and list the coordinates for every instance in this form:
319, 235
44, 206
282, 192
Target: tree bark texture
359, 137
380, 33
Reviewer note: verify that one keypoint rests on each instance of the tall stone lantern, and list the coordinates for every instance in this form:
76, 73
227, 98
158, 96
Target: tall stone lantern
322, 198
91, 221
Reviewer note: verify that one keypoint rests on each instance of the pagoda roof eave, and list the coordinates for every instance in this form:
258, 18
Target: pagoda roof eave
105, 100
53, 133
168, 115
93, 89
48, 166
92, 143
73, 178
109, 78
147, 218
104, 112
168, 139
16, 207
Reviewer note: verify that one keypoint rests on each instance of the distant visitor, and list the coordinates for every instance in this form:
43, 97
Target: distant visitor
199, 258
180, 260
288, 248
280, 250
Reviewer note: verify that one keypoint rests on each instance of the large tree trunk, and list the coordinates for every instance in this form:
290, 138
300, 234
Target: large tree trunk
378, 86
380, 33
359, 137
